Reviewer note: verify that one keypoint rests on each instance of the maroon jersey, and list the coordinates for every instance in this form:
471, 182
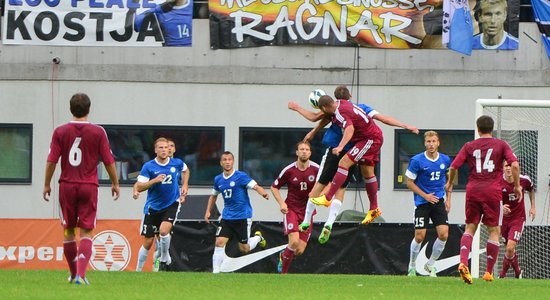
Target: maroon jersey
508, 197
348, 114
299, 185
81, 145
485, 157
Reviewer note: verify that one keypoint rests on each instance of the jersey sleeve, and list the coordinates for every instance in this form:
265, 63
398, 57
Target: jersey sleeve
371, 112
412, 169
144, 174
509, 154
280, 181
55, 148
460, 158
105, 149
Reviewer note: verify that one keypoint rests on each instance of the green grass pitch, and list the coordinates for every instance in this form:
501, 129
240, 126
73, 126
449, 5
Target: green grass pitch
47, 284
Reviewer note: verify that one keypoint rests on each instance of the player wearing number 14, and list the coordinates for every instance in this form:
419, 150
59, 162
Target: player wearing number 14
485, 157
175, 18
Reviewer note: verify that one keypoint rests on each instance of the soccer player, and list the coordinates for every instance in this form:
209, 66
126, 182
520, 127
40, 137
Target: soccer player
329, 164
514, 218
80, 144
237, 211
160, 177
175, 18
426, 178
299, 177
485, 157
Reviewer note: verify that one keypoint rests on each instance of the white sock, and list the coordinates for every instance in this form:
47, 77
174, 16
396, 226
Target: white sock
310, 208
142, 257
415, 248
253, 241
217, 258
157, 249
164, 248
437, 249
333, 211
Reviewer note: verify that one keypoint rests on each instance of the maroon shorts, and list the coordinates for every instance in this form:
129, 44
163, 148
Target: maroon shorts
291, 220
486, 212
512, 230
78, 203
366, 152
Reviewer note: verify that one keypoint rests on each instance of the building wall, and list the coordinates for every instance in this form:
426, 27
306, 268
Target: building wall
432, 89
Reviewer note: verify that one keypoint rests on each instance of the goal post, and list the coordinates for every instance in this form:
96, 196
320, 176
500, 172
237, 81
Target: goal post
525, 125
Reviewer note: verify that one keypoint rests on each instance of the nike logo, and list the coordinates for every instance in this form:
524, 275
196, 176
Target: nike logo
440, 264
231, 264
156, 172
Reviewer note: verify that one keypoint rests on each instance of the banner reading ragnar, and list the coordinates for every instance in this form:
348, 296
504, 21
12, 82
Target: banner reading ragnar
367, 23
98, 22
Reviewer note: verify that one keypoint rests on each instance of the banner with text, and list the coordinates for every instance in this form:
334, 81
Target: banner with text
38, 244
366, 23
98, 22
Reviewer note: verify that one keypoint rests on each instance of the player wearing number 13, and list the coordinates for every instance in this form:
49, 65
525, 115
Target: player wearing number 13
175, 18
80, 145
485, 157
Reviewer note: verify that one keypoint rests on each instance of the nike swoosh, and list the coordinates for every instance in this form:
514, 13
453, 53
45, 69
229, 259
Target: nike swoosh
440, 264
231, 264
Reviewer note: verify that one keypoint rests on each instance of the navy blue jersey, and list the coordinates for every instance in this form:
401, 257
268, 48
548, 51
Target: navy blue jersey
234, 190
176, 24
162, 194
428, 175
334, 133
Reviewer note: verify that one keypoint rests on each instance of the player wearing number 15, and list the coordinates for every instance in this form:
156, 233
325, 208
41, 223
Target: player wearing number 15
485, 157
80, 145
175, 18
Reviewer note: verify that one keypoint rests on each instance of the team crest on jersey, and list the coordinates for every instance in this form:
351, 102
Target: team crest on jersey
311, 178
442, 166
232, 183
172, 169
290, 226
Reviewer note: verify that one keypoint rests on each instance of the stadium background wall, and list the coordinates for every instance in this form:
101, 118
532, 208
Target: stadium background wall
197, 86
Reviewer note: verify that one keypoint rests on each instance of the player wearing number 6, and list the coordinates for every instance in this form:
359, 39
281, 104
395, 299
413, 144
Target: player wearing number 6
426, 178
160, 178
485, 157
80, 145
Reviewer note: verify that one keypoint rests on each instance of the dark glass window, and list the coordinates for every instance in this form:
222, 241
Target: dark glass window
408, 144
15, 153
264, 152
199, 147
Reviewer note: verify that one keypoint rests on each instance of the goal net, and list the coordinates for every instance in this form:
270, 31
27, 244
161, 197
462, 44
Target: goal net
525, 125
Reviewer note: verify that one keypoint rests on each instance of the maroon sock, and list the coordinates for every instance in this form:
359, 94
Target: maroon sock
515, 264
70, 250
492, 255
371, 185
505, 266
337, 182
287, 257
465, 247
84, 255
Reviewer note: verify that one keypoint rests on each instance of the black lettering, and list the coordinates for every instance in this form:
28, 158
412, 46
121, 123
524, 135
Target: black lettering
17, 24
128, 24
38, 25
100, 23
70, 24
150, 27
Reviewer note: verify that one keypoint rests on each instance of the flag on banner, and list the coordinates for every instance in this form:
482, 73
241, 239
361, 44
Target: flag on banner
541, 8
458, 30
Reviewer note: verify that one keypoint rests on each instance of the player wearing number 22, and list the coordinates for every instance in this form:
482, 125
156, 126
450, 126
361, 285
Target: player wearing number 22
80, 145
485, 157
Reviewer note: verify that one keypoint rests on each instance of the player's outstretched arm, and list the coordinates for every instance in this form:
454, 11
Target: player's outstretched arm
389, 120
115, 187
260, 190
452, 175
50, 169
211, 201
309, 115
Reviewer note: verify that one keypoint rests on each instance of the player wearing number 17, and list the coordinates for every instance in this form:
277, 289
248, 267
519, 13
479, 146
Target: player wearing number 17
80, 145
485, 157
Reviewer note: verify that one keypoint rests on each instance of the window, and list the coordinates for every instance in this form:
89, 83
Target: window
408, 144
199, 147
264, 152
15, 153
